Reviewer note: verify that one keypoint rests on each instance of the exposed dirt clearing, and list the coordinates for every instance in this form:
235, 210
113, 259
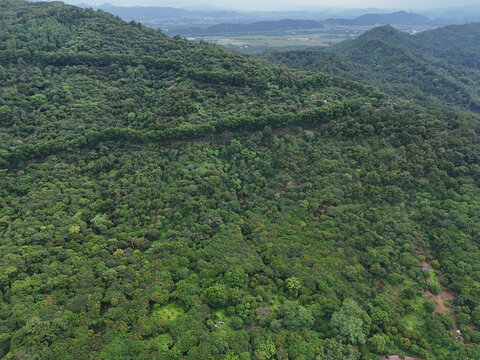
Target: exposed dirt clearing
263, 310
439, 300
426, 266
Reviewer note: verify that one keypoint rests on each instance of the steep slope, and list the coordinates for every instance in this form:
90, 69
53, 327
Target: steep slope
399, 58
154, 205
70, 71
408, 66
323, 61
457, 44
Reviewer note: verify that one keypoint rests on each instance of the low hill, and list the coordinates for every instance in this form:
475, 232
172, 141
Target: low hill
255, 28
396, 18
424, 67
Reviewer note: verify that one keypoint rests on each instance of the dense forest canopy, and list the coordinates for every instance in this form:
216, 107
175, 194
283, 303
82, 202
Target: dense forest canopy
161, 199
69, 71
433, 67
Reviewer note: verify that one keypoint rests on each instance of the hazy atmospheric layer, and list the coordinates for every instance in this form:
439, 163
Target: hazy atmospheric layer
284, 4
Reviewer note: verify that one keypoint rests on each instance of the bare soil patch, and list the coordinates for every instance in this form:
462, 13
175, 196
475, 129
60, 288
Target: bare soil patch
324, 208
263, 309
440, 299
426, 266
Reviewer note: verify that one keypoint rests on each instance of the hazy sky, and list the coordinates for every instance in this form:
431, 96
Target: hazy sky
287, 4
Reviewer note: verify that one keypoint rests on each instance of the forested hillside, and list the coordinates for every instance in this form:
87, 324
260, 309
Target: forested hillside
166, 200
457, 44
433, 67
71, 72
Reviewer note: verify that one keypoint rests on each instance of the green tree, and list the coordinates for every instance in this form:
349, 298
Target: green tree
334, 350
296, 316
121, 347
351, 323
379, 317
377, 343
100, 223
38, 100
476, 316
293, 285
404, 343
5, 114
265, 351
235, 276
216, 295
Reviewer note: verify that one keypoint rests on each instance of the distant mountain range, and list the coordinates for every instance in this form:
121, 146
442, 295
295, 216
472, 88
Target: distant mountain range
169, 18
396, 18
455, 15
257, 27
198, 21
159, 12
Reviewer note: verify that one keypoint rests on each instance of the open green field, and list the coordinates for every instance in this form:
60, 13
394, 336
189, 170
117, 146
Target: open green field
258, 43
168, 313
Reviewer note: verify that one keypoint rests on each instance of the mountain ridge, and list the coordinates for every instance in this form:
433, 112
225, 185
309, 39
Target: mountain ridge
387, 57
165, 58
396, 18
